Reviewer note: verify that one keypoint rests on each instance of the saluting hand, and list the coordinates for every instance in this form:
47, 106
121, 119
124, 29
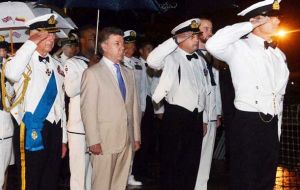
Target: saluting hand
96, 149
38, 37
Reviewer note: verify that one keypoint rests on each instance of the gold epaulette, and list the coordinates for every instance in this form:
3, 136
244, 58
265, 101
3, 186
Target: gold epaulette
13, 100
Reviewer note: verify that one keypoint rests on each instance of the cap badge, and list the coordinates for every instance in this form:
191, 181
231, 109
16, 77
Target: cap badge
133, 33
51, 20
275, 5
2, 39
194, 24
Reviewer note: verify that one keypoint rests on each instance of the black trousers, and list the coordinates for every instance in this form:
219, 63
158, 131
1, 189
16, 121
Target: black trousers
254, 150
144, 156
181, 148
42, 167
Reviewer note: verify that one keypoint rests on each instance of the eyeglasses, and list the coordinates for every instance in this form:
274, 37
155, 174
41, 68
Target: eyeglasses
195, 36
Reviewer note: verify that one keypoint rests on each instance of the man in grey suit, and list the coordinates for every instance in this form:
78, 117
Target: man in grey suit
110, 113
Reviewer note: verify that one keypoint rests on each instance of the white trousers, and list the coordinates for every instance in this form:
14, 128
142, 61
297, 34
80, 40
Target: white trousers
6, 145
206, 157
6, 154
80, 164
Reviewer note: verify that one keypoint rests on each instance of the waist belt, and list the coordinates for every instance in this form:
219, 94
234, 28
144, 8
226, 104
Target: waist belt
76, 133
5, 138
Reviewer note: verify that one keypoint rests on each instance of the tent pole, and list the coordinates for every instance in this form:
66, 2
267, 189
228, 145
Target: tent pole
97, 31
11, 41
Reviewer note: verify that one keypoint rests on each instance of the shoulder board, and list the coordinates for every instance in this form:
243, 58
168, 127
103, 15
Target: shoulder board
56, 59
244, 37
138, 67
86, 60
136, 60
126, 65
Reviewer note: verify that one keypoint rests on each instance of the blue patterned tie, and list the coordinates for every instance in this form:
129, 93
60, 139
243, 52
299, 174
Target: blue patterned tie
121, 81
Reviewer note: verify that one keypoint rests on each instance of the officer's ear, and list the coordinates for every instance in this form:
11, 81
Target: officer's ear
103, 46
31, 32
141, 51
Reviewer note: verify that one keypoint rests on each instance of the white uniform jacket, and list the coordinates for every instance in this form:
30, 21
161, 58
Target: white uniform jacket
214, 97
259, 75
6, 124
182, 82
27, 60
73, 70
215, 103
140, 78
7, 127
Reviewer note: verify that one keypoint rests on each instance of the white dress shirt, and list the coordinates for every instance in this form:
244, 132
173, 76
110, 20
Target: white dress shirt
111, 67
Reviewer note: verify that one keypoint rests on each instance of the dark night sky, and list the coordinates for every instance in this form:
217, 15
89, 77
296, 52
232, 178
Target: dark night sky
157, 26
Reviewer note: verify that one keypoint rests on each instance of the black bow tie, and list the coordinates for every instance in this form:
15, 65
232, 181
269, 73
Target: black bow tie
190, 57
272, 44
43, 59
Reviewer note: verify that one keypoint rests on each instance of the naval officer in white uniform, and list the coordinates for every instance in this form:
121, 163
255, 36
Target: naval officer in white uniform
41, 113
80, 159
69, 48
184, 88
259, 74
212, 118
140, 81
135, 64
6, 124
142, 167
